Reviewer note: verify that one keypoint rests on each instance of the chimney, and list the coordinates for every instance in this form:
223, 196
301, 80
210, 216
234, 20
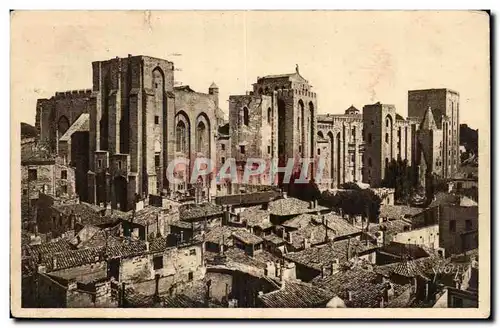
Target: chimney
323, 271
335, 266
307, 243
182, 237
380, 238
157, 292
311, 204
427, 290
285, 195
54, 263
221, 245
350, 295
290, 237
122, 298
207, 293
147, 246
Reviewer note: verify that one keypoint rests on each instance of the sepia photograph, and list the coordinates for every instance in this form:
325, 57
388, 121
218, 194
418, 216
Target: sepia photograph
250, 164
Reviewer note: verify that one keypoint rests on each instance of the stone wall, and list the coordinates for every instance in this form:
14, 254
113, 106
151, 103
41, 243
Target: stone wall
454, 234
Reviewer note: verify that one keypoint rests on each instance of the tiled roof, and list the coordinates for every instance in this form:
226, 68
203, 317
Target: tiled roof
216, 234
247, 237
86, 232
315, 233
394, 212
391, 226
162, 243
99, 239
292, 206
319, 256
340, 226
400, 249
256, 217
90, 214
273, 239
444, 198
193, 212
311, 226
300, 221
180, 301
182, 225
297, 294
366, 287
429, 266
147, 215
407, 269
236, 255
248, 198
74, 258
47, 250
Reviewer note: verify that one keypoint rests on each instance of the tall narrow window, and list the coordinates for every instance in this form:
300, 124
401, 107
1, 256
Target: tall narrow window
180, 136
157, 160
453, 226
269, 115
246, 118
200, 137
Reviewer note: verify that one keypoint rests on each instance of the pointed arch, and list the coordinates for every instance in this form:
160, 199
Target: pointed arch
62, 125
202, 134
182, 132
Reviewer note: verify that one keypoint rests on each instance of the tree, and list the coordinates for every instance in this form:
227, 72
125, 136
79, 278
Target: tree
400, 176
354, 201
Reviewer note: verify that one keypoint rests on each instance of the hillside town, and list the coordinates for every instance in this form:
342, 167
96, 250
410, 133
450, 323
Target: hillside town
375, 210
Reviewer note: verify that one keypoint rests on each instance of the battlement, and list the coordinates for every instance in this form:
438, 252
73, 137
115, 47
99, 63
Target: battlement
333, 118
291, 92
74, 93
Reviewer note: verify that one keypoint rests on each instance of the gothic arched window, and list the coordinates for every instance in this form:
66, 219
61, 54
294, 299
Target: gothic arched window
246, 117
180, 136
200, 136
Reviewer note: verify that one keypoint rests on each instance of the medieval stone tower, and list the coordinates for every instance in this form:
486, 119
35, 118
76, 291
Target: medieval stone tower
277, 120
130, 135
445, 104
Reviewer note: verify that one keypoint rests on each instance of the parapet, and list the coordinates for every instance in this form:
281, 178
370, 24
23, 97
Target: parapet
74, 94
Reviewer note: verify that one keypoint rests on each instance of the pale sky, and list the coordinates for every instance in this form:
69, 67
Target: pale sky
353, 58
